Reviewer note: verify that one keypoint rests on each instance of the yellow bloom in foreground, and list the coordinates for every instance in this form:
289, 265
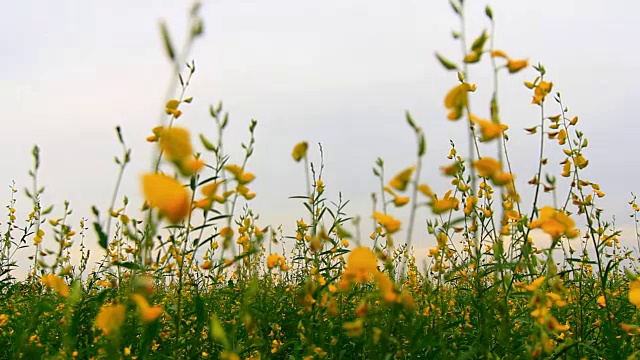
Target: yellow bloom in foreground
110, 318
175, 142
362, 262
300, 151
456, 100
147, 313
634, 293
56, 283
401, 180
167, 195
555, 223
389, 223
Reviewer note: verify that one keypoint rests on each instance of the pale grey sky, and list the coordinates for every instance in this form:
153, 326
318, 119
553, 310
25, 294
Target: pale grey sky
337, 72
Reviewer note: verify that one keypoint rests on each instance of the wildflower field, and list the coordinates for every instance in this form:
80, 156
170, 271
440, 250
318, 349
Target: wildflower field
193, 273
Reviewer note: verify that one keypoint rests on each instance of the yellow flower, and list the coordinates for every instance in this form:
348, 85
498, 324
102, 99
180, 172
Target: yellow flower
362, 262
245, 192
175, 142
4, 320
439, 206
147, 313
555, 223
238, 173
456, 100
487, 167
389, 223
171, 108
354, 328
425, 190
401, 180
634, 292
56, 283
502, 178
541, 91
516, 65
110, 318
562, 137
387, 289
273, 260
167, 195
470, 205
300, 151
536, 284
400, 200
190, 165
489, 129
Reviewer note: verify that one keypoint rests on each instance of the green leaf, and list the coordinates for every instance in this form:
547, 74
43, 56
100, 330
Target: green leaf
422, 145
168, 46
129, 265
448, 64
455, 6
410, 120
478, 43
47, 210
103, 240
488, 12
207, 144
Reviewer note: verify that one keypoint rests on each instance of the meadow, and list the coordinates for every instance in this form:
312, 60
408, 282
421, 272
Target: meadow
193, 272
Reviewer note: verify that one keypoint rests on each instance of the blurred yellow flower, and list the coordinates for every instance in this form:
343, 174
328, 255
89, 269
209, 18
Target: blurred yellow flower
516, 65
56, 283
447, 203
273, 260
489, 129
167, 195
487, 167
239, 174
175, 142
388, 222
634, 292
362, 262
354, 328
147, 313
401, 180
555, 223
300, 151
456, 100
110, 318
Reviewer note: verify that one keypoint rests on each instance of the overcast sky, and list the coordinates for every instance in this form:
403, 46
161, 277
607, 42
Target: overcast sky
338, 72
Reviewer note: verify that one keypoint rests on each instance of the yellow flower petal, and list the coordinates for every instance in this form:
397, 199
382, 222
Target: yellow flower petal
175, 142
300, 151
167, 195
110, 318
56, 283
